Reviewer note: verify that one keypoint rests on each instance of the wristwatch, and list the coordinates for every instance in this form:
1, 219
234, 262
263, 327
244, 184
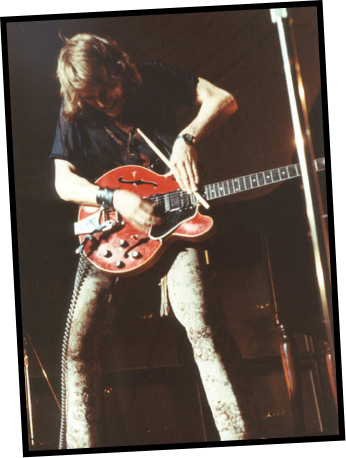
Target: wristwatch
188, 139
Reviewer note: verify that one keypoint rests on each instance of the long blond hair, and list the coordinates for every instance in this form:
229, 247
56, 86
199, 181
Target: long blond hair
88, 60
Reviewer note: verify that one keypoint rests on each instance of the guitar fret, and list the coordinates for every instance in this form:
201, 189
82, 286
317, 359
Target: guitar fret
242, 184
283, 173
230, 185
221, 189
248, 182
268, 177
207, 192
236, 185
254, 181
292, 171
212, 191
275, 175
260, 178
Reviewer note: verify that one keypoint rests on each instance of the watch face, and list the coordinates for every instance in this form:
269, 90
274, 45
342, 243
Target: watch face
189, 139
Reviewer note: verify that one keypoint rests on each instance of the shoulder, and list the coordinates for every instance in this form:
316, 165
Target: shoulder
161, 76
150, 66
158, 69
151, 70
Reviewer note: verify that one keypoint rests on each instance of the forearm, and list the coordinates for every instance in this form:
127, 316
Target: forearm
73, 188
215, 107
214, 111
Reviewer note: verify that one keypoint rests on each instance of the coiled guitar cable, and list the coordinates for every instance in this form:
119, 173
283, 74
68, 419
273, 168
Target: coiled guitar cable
82, 271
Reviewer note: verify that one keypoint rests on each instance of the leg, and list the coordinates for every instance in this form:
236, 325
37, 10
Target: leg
187, 299
89, 313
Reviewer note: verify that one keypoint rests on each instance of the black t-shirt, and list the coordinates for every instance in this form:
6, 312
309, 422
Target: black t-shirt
87, 145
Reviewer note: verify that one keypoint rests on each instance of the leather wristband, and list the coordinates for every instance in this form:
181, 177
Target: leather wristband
104, 197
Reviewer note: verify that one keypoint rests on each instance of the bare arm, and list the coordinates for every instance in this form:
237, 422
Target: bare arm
74, 188
216, 106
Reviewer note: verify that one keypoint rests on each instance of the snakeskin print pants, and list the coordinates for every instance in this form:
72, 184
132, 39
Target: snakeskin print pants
99, 298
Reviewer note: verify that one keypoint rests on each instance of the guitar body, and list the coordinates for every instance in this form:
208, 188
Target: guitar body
116, 246
125, 250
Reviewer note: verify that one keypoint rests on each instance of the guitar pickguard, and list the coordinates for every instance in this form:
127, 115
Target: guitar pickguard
172, 220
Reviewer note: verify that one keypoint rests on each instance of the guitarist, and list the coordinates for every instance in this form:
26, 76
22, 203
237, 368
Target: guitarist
105, 98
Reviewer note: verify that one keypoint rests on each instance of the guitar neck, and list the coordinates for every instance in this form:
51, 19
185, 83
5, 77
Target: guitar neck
255, 180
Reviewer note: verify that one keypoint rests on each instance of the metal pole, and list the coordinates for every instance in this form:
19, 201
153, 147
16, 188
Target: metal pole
28, 395
313, 199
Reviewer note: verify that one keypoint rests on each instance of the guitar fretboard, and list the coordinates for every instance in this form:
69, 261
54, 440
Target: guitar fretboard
255, 180
179, 199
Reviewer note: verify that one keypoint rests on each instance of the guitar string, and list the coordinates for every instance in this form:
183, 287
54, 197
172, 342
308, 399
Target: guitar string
182, 195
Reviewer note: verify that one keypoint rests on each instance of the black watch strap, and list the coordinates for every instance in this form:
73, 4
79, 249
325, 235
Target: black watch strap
188, 138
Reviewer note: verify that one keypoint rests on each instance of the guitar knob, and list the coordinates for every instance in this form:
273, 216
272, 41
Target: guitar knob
123, 243
119, 264
107, 254
136, 254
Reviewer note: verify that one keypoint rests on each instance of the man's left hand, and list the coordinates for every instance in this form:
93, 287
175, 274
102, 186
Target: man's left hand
184, 166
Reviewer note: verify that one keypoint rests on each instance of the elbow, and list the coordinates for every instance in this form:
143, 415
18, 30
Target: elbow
62, 191
66, 182
231, 105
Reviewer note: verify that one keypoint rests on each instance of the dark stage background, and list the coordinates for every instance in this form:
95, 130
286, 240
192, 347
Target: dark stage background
237, 50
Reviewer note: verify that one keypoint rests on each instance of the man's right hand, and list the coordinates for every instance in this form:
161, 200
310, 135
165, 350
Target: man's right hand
135, 209
73, 188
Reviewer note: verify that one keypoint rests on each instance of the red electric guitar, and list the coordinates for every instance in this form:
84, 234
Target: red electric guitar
116, 246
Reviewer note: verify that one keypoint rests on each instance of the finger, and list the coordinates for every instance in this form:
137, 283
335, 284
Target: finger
155, 221
147, 207
145, 224
195, 172
148, 218
137, 223
178, 177
187, 179
191, 178
142, 216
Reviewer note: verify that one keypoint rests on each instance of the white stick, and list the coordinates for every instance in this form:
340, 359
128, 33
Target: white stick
166, 161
